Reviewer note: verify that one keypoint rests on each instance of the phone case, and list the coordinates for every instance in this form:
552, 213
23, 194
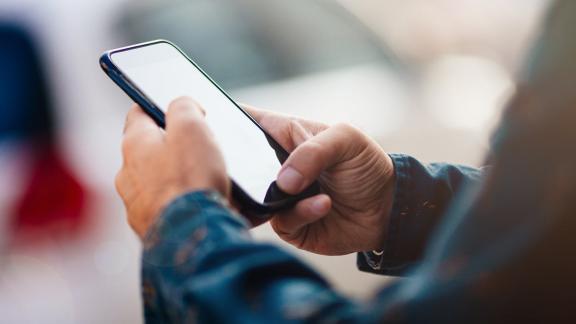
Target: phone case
275, 199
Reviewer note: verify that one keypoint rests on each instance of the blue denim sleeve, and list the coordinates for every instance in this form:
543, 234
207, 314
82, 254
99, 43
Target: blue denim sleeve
200, 265
422, 194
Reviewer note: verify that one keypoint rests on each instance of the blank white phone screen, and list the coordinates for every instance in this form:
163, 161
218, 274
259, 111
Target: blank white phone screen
163, 74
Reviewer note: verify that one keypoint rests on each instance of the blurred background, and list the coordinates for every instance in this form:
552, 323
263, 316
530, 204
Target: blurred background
424, 77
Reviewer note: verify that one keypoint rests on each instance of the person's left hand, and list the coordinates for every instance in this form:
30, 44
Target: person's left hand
161, 165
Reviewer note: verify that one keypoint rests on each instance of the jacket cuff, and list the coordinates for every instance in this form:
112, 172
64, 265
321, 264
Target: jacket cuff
387, 262
184, 226
422, 194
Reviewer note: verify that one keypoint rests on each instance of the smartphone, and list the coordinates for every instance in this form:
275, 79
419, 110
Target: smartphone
157, 72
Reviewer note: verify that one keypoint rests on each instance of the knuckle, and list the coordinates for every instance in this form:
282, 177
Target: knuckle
302, 126
351, 140
346, 128
128, 145
349, 132
293, 126
293, 121
314, 148
119, 181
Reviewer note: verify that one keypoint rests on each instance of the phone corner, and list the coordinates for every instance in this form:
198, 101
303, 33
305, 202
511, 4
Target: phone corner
105, 61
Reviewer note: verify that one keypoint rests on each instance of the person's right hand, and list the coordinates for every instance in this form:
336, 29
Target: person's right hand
356, 177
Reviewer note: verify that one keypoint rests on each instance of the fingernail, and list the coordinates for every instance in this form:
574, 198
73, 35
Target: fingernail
290, 180
320, 206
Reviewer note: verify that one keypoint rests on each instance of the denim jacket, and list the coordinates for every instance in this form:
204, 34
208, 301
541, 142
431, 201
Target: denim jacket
473, 246
200, 264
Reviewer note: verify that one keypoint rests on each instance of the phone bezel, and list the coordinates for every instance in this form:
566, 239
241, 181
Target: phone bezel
248, 204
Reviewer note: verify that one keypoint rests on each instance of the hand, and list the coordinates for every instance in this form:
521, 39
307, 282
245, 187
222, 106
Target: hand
161, 165
355, 174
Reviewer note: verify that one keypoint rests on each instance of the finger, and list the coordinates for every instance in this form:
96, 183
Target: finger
311, 158
276, 125
139, 131
307, 211
265, 117
119, 183
185, 121
288, 131
184, 107
138, 116
258, 114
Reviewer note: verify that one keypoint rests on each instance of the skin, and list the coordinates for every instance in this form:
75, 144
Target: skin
186, 154
356, 176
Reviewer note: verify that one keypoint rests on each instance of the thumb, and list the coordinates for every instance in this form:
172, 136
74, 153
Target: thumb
311, 158
289, 223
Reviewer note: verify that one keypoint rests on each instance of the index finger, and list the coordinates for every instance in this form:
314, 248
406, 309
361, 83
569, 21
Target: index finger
257, 114
270, 120
139, 125
137, 116
288, 131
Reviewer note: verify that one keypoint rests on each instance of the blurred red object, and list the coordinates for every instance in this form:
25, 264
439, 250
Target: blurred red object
53, 201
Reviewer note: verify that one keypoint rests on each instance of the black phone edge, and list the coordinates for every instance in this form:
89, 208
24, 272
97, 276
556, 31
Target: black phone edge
247, 203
